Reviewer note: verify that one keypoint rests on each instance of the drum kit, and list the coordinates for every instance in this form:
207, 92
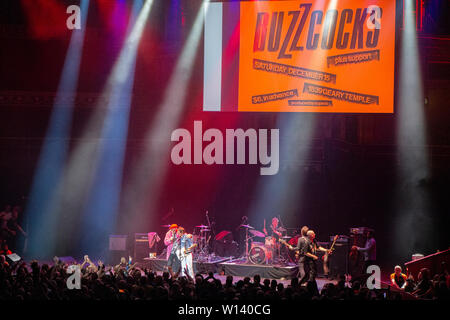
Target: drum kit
267, 252
202, 235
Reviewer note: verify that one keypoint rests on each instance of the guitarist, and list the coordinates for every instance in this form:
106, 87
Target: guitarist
172, 241
311, 254
301, 249
186, 248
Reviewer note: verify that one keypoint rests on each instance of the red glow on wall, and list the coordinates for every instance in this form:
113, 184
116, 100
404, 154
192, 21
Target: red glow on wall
114, 15
46, 18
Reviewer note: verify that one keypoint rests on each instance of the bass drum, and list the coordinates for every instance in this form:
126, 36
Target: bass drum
259, 254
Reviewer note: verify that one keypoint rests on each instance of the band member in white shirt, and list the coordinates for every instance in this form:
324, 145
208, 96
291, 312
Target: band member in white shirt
185, 255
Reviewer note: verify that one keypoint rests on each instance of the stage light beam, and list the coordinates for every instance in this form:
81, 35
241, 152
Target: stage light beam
99, 150
54, 150
102, 205
413, 201
142, 190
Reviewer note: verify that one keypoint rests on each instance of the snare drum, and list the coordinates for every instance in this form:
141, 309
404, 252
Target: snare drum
270, 242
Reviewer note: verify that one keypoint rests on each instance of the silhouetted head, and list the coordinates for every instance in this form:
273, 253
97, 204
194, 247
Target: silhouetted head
304, 230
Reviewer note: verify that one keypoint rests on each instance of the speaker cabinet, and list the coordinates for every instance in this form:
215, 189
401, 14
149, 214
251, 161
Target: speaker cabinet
117, 248
338, 261
118, 242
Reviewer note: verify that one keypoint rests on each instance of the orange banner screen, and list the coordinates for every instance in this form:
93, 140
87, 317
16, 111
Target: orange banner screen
317, 56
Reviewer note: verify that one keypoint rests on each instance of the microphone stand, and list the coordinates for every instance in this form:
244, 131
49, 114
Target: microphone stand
279, 247
210, 230
281, 222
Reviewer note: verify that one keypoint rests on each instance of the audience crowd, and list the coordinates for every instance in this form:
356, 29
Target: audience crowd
126, 281
22, 281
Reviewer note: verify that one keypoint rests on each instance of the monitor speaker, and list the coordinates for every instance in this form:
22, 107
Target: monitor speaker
13, 258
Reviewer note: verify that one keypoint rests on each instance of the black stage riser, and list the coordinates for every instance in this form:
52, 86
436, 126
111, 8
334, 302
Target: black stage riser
199, 267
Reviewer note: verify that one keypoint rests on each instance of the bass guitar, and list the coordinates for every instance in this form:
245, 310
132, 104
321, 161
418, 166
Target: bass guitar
330, 251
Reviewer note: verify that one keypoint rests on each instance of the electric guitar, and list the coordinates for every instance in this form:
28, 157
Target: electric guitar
189, 250
183, 253
297, 253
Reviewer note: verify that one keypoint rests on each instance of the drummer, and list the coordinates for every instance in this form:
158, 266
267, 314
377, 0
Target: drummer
272, 237
275, 230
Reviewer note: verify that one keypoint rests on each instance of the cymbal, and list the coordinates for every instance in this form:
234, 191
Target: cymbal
246, 226
281, 229
201, 226
205, 230
257, 233
285, 237
166, 225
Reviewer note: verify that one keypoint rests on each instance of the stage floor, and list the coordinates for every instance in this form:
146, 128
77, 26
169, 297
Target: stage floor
199, 267
227, 267
283, 274
265, 271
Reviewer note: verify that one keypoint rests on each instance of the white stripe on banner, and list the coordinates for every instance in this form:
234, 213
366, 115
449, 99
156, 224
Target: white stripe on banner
212, 71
